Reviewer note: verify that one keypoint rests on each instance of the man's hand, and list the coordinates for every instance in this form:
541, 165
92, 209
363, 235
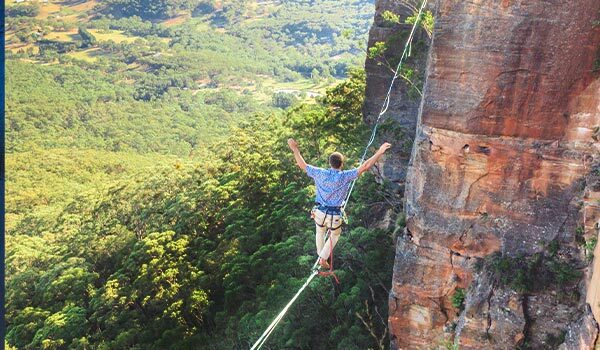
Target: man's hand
293, 144
297, 156
384, 147
371, 161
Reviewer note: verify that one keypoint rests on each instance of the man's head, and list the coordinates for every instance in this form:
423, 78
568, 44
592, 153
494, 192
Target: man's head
336, 160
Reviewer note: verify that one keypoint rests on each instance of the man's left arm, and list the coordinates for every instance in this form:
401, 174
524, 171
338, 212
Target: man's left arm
371, 161
297, 156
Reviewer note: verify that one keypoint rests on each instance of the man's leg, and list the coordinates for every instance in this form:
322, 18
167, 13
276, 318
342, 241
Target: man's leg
334, 235
320, 231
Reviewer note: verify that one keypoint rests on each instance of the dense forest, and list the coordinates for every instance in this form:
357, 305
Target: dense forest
205, 253
151, 200
83, 80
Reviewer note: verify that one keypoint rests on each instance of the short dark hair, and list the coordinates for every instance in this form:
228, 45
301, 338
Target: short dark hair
336, 160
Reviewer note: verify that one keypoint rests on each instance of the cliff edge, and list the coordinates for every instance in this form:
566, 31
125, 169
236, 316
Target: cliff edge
502, 188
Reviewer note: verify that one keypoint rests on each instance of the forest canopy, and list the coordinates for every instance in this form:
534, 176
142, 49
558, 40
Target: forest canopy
152, 201
205, 253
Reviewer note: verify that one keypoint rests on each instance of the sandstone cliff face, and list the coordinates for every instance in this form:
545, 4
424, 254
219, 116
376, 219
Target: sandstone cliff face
502, 188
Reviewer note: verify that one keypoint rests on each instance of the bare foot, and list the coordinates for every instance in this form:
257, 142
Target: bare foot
324, 264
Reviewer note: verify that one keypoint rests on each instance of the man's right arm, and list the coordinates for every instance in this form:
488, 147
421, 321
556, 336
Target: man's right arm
371, 161
297, 156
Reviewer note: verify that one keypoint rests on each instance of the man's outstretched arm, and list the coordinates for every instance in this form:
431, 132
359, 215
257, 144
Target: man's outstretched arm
299, 160
371, 161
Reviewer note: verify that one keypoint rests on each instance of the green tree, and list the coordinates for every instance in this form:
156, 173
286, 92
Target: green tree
283, 100
61, 328
87, 38
26, 323
187, 254
28, 10
315, 75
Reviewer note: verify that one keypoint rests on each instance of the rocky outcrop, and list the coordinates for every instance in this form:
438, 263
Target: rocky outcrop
404, 107
591, 230
582, 334
502, 191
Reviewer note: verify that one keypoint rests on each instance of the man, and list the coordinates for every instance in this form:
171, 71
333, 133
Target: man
332, 188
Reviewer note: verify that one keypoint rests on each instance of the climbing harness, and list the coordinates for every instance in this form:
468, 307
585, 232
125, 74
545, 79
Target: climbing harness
314, 272
329, 211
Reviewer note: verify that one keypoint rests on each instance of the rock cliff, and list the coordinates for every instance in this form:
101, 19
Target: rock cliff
502, 189
404, 107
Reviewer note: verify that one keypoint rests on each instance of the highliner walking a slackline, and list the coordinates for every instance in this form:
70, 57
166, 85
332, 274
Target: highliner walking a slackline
314, 270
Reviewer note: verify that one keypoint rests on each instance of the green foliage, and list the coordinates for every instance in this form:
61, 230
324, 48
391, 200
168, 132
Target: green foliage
415, 81
377, 50
176, 256
87, 39
86, 109
284, 100
380, 51
41, 182
27, 323
390, 18
50, 47
458, 298
524, 345
7, 346
204, 7
150, 61
596, 66
334, 123
579, 238
562, 273
315, 75
159, 281
133, 25
61, 328
553, 248
534, 273
148, 9
589, 247
30, 9
449, 344
426, 21
152, 201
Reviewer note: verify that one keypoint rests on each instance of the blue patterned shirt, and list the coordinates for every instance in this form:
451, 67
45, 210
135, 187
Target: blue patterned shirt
332, 185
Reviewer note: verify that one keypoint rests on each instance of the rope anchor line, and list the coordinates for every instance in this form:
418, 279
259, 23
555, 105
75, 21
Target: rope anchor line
386, 103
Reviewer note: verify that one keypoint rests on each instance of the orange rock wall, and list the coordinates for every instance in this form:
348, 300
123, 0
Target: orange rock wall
506, 141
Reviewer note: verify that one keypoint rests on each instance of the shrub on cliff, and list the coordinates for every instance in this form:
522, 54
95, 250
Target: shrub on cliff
528, 274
